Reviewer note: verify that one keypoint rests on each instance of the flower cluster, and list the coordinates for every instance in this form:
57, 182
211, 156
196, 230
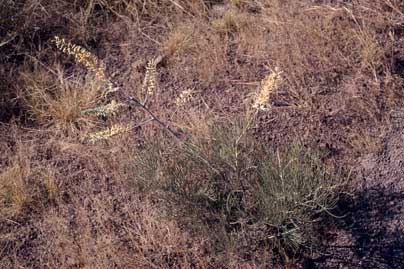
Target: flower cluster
268, 86
109, 132
93, 64
106, 110
150, 80
83, 56
89, 60
184, 97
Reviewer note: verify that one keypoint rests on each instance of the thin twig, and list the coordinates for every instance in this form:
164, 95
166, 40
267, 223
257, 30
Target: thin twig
180, 7
3, 43
154, 117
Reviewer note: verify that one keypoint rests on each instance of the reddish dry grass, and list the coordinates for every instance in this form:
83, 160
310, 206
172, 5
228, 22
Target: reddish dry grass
65, 203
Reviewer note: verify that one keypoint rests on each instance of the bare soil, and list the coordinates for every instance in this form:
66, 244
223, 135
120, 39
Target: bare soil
370, 235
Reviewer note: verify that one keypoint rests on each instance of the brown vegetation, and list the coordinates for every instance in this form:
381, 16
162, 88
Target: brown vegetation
191, 133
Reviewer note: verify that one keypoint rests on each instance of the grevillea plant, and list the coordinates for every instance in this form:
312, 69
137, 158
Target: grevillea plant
97, 67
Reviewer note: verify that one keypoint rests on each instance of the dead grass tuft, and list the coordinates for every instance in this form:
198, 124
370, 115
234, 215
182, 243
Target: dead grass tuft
60, 103
232, 21
15, 192
178, 40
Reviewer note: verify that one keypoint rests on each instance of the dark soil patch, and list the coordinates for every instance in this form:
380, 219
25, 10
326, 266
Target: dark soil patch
372, 233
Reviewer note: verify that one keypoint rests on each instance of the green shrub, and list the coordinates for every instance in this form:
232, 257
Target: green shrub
292, 190
228, 182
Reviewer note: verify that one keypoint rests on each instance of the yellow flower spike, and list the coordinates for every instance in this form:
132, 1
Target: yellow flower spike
89, 60
110, 109
109, 132
150, 80
268, 86
82, 56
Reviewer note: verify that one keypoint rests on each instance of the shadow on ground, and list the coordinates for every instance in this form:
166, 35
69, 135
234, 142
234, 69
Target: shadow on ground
370, 235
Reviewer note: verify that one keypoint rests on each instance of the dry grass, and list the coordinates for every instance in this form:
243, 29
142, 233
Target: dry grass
15, 192
197, 51
142, 240
27, 183
178, 40
53, 100
226, 193
231, 21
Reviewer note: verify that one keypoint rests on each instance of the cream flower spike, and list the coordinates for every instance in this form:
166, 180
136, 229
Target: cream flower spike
268, 86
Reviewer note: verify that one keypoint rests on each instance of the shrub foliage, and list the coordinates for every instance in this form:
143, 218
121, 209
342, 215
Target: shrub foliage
228, 181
